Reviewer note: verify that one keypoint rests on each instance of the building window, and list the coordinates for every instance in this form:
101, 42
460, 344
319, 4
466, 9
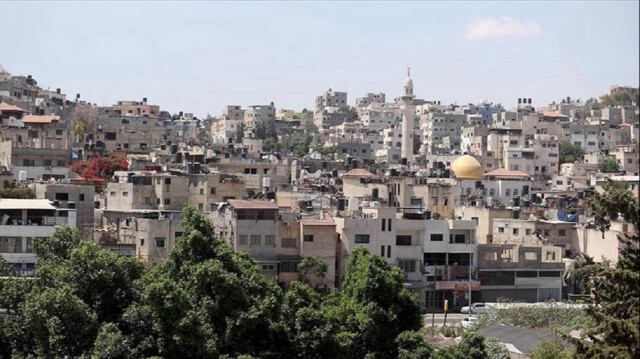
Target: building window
515, 192
167, 201
389, 225
167, 181
125, 194
527, 231
160, 242
288, 242
212, 190
384, 224
255, 239
81, 197
267, 267
362, 238
308, 238
403, 240
516, 231
62, 196
475, 219
458, 238
407, 265
289, 267
507, 193
201, 190
112, 194
437, 237
388, 251
500, 229
562, 232
242, 239
46, 162
492, 192
269, 240
381, 251
141, 242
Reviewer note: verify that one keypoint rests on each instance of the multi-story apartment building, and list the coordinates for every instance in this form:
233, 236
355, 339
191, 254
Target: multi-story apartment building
22, 221
434, 254
329, 99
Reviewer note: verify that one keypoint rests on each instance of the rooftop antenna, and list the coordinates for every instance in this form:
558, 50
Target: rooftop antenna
408, 71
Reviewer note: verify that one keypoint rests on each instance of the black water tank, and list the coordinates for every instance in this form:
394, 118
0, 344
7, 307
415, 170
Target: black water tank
525, 190
163, 147
478, 184
196, 167
71, 205
271, 195
527, 203
178, 157
516, 201
534, 198
427, 214
334, 173
580, 194
515, 214
354, 163
403, 161
394, 172
374, 193
341, 204
130, 177
324, 164
190, 168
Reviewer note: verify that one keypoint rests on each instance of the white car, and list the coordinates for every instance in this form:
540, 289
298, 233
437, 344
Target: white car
468, 322
475, 308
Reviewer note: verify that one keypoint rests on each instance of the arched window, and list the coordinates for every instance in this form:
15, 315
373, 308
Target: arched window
492, 192
507, 193
515, 192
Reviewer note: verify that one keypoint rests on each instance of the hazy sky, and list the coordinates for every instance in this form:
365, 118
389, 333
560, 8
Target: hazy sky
199, 56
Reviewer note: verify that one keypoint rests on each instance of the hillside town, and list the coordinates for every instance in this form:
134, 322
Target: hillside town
475, 202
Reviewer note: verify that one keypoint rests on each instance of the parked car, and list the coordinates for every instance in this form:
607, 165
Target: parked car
475, 308
468, 322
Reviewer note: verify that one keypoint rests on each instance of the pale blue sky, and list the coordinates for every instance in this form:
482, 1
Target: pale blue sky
199, 56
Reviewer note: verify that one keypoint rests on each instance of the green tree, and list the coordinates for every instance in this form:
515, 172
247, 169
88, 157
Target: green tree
609, 165
271, 145
312, 269
206, 299
582, 270
240, 132
618, 98
416, 144
111, 344
550, 349
570, 153
411, 345
471, 347
53, 324
614, 322
373, 308
308, 328
495, 349
260, 131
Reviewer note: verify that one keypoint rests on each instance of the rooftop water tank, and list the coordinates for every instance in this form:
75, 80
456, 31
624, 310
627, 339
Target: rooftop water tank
266, 182
352, 204
22, 176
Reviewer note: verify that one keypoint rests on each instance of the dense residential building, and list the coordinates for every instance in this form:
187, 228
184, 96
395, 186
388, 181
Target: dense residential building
468, 199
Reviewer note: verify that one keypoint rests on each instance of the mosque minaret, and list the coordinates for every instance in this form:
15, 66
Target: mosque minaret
408, 112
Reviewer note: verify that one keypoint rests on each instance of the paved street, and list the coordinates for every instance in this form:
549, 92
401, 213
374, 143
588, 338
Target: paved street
452, 319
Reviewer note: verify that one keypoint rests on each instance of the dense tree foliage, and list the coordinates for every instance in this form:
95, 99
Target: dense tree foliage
609, 165
614, 319
206, 300
570, 152
550, 349
16, 192
619, 98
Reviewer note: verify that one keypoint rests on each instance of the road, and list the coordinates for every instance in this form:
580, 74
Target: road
453, 319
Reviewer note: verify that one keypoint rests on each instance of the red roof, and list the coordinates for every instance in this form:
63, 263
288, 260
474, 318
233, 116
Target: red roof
553, 114
6, 107
358, 172
242, 204
40, 119
502, 172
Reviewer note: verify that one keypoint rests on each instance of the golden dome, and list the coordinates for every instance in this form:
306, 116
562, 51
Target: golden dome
467, 168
